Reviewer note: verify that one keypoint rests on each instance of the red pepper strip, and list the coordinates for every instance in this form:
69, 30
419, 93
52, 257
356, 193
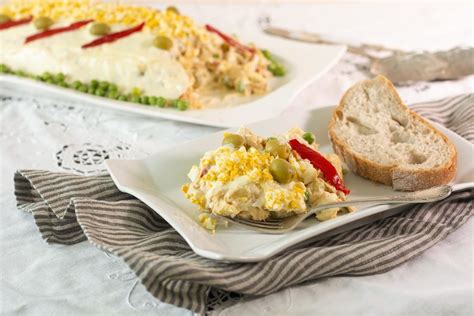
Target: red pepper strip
51, 32
9, 24
229, 40
318, 161
112, 37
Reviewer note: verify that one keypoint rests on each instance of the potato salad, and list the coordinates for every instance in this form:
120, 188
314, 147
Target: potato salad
258, 178
152, 56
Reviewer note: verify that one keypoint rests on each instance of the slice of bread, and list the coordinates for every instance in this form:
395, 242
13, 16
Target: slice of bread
380, 139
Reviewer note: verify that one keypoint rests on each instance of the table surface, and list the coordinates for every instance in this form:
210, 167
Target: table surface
38, 132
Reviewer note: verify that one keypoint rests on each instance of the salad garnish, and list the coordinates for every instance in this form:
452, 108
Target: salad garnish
318, 161
58, 30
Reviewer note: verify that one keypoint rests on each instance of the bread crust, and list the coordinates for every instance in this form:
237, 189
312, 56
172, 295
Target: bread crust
402, 179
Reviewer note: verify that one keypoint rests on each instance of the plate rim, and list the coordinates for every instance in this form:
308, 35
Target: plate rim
263, 105
277, 247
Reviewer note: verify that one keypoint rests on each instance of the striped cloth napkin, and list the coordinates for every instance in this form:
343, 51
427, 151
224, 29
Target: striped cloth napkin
70, 208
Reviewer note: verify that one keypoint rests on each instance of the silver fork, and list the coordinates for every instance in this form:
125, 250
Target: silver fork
283, 225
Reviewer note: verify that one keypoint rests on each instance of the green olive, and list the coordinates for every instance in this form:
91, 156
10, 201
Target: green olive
284, 151
271, 144
274, 147
173, 9
99, 29
4, 18
163, 42
43, 23
233, 139
281, 170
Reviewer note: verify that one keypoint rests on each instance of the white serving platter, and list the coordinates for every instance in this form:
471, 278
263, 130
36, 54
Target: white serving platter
304, 62
157, 181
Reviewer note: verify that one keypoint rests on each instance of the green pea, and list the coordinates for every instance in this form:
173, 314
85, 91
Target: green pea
4, 68
145, 100
181, 105
104, 85
50, 80
153, 100
123, 98
4, 18
163, 42
281, 170
91, 90
60, 76
266, 53
83, 88
112, 94
100, 92
275, 67
172, 9
161, 102
99, 29
43, 23
135, 99
39, 77
94, 84
47, 75
63, 84
233, 139
76, 84
21, 73
277, 70
309, 137
113, 87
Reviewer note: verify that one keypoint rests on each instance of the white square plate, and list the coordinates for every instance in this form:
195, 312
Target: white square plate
304, 62
157, 182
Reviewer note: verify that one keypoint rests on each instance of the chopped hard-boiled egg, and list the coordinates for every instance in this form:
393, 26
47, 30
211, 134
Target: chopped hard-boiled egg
257, 178
166, 22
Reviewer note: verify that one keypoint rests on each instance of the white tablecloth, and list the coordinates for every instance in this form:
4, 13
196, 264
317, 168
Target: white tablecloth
38, 132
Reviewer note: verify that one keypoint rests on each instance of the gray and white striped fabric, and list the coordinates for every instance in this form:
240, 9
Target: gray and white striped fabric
70, 208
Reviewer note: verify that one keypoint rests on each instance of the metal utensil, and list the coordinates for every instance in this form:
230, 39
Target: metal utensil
283, 225
426, 66
366, 50
399, 66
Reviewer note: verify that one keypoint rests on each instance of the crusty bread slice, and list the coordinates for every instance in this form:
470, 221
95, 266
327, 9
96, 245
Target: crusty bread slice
379, 138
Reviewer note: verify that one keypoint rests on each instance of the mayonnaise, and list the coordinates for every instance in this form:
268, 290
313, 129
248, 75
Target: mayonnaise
129, 62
